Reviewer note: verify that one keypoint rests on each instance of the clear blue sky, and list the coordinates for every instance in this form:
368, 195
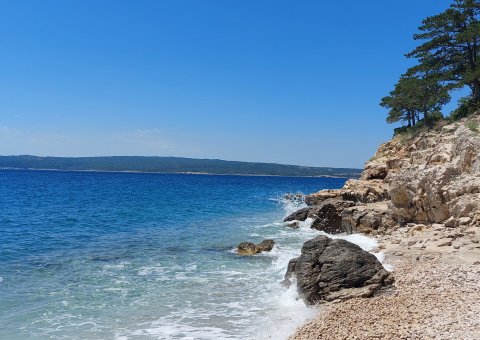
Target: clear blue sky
293, 82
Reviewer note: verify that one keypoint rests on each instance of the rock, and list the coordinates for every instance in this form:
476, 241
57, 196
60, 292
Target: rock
293, 224
367, 218
464, 220
265, 245
451, 222
365, 191
290, 272
327, 216
440, 179
299, 215
444, 243
319, 197
247, 248
331, 269
438, 226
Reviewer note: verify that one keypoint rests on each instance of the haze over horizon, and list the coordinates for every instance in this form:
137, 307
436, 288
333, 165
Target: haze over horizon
246, 81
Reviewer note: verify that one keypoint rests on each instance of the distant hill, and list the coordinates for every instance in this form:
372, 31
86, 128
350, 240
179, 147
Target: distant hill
169, 165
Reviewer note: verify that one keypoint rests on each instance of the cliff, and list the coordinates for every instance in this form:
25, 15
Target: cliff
428, 177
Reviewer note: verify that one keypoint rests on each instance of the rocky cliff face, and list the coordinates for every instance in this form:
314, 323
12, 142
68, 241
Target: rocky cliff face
432, 177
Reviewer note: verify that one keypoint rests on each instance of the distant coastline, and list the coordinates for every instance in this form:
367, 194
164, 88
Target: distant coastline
170, 165
174, 173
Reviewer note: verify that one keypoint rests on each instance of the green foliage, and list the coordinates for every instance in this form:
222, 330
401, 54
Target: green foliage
416, 94
450, 48
448, 58
473, 126
466, 107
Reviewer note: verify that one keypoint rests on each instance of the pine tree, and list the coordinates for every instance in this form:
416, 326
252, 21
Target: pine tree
451, 46
416, 94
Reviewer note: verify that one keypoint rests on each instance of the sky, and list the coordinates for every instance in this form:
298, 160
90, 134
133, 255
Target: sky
293, 82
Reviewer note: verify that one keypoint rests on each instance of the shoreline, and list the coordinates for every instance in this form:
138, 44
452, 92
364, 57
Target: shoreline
172, 173
435, 296
419, 196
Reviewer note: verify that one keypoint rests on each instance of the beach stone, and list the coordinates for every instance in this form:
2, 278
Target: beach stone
247, 248
265, 245
330, 269
299, 215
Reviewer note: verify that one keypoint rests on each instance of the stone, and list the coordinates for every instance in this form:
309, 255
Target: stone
290, 272
450, 223
265, 245
299, 215
330, 269
319, 197
247, 248
293, 224
444, 243
326, 216
367, 218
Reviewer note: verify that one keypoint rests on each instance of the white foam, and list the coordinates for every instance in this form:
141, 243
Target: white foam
291, 205
259, 307
287, 314
364, 242
168, 329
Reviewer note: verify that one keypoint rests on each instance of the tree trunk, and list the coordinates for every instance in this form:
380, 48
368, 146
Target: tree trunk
475, 86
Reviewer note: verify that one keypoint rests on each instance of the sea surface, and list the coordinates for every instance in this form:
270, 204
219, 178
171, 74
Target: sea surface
91, 255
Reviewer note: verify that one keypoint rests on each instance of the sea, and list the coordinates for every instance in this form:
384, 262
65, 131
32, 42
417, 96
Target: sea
97, 255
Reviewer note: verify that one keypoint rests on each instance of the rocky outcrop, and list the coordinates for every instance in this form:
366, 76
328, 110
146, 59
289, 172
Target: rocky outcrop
368, 218
330, 269
249, 248
429, 177
442, 179
362, 191
325, 216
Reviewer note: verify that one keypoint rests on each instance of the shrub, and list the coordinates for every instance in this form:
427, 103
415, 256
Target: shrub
473, 125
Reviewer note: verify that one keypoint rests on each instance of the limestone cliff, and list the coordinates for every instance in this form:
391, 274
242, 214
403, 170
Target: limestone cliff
428, 177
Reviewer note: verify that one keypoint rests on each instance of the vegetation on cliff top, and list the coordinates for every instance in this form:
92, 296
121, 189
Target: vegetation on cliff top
448, 58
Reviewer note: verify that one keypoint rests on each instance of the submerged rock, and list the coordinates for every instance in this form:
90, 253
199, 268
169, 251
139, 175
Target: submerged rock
265, 245
249, 248
331, 269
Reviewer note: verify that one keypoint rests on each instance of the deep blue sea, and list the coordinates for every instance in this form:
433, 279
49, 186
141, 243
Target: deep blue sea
91, 255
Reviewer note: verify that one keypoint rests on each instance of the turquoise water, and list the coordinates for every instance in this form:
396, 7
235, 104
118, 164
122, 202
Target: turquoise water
133, 256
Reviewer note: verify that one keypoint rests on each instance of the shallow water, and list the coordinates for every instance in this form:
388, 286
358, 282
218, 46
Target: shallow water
133, 256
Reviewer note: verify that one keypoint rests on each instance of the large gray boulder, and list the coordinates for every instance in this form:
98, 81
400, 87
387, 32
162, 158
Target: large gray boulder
330, 269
